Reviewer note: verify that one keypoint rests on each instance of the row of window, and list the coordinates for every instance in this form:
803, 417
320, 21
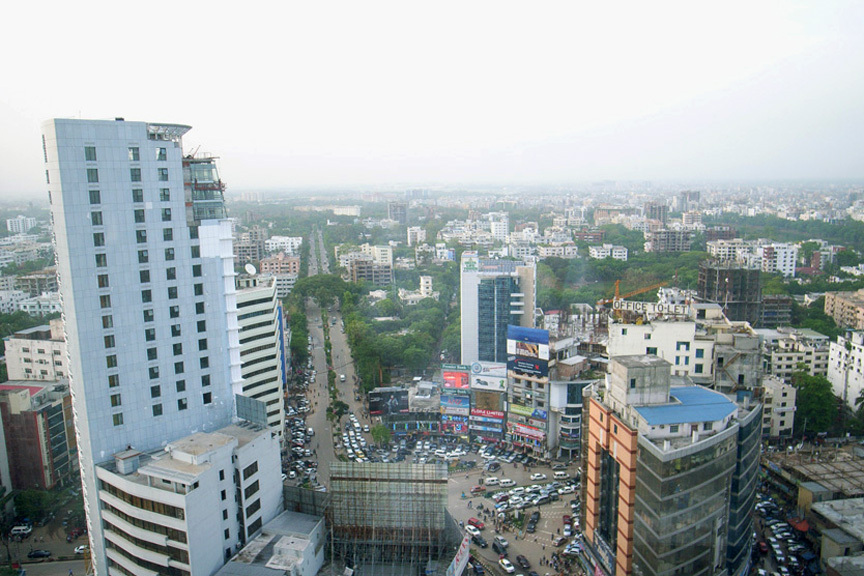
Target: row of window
134, 175
134, 154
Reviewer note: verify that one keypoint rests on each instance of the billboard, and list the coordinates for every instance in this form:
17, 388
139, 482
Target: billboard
454, 424
482, 414
521, 410
527, 431
528, 366
488, 400
458, 380
451, 404
383, 401
490, 369
528, 342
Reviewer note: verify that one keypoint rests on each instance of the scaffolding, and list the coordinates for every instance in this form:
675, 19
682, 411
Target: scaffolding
390, 518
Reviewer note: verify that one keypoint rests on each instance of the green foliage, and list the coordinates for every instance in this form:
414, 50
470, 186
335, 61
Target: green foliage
816, 407
11, 323
850, 233
28, 267
34, 504
381, 435
814, 317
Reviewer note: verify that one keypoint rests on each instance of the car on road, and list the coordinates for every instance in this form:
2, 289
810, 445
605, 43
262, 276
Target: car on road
502, 541
559, 541
39, 554
478, 489
538, 476
477, 523
506, 566
472, 530
82, 549
479, 541
507, 482
523, 562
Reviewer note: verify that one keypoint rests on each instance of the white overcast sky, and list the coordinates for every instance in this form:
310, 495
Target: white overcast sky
365, 93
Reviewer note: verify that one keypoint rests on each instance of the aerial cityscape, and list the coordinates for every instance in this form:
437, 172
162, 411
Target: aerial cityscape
394, 290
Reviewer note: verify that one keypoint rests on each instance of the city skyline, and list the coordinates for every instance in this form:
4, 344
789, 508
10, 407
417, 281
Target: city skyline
385, 94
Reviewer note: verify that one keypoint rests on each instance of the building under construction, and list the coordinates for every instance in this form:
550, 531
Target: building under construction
736, 287
391, 518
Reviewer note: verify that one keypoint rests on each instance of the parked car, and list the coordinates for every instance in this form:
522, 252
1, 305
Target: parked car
479, 541
523, 562
39, 554
82, 549
538, 476
506, 566
476, 523
472, 530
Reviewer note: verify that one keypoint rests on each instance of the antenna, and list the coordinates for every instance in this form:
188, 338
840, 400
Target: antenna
250, 269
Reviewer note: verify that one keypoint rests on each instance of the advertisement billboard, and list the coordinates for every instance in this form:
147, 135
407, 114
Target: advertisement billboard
528, 342
528, 366
383, 401
491, 369
459, 405
527, 431
488, 400
454, 424
521, 410
458, 380
494, 414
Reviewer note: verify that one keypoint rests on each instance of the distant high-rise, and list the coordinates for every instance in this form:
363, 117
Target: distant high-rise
398, 211
737, 288
146, 273
494, 293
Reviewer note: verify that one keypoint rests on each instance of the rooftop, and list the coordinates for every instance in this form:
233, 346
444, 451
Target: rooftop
688, 404
847, 514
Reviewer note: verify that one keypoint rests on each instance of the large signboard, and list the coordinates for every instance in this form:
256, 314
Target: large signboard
521, 410
460, 561
484, 382
453, 424
539, 368
527, 431
528, 342
651, 308
494, 414
388, 401
490, 369
488, 400
458, 380
452, 404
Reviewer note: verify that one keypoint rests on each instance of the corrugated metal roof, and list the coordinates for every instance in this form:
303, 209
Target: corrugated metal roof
690, 404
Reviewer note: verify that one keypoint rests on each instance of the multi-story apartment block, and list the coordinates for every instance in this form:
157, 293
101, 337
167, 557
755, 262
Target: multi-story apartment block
37, 283
367, 270
398, 212
567, 251
656, 211
846, 367
42, 305
778, 418
10, 300
667, 240
789, 350
37, 353
727, 249
776, 310
737, 288
288, 244
146, 270
189, 507
494, 294
281, 263
608, 251
779, 258
846, 308
20, 224
39, 434
669, 474
416, 235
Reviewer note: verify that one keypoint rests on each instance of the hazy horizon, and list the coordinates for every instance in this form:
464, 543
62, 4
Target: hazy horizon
383, 94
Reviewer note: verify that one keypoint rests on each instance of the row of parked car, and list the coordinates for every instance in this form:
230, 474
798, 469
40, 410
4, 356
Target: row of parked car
790, 553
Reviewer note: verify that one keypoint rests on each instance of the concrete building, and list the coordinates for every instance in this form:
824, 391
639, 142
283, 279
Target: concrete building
366, 270
787, 350
608, 251
845, 359
39, 434
189, 507
280, 264
262, 362
42, 305
668, 240
846, 308
10, 300
494, 294
731, 249
657, 211
146, 268
563, 250
20, 224
398, 212
669, 475
565, 417
779, 258
776, 310
39, 282
737, 288
778, 419
37, 353
416, 235
289, 244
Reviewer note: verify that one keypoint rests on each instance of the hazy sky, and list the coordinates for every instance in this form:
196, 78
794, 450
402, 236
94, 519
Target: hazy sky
379, 93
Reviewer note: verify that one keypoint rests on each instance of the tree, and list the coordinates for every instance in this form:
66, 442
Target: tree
816, 404
33, 504
381, 435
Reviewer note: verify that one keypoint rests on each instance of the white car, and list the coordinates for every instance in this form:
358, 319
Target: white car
507, 482
506, 565
472, 530
538, 476
84, 548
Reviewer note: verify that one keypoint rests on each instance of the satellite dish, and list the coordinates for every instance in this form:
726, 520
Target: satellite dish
250, 269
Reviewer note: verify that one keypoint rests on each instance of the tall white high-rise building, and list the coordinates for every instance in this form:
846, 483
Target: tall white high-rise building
145, 266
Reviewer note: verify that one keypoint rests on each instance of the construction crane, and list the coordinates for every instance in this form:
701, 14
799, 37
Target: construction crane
619, 296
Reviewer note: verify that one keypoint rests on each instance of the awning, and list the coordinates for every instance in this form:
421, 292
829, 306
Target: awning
802, 526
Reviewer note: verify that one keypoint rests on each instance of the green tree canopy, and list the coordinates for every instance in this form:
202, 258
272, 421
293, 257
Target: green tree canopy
816, 405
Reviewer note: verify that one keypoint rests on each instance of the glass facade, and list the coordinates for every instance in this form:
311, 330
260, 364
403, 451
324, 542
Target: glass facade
493, 311
743, 493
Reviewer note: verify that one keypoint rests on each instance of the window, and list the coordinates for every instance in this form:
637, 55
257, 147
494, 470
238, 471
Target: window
178, 349
250, 490
205, 380
161, 154
178, 368
137, 195
199, 307
700, 352
154, 372
111, 361
174, 311
202, 344
202, 326
141, 236
207, 397
175, 330
193, 232
677, 360
682, 346
155, 391
139, 216
707, 425
89, 154
118, 419
196, 270
227, 533
98, 239
157, 409
182, 404
113, 380
163, 174
181, 386
150, 333
92, 175
96, 218
95, 197
169, 254
673, 428
698, 369
172, 292
143, 256
196, 251
250, 470
166, 215
221, 475
115, 400
105, 301
647, 336
224, 495
254, 507
171, 273
199, 289
686, 360
167, 234
101, 260
225, 515
146, 296
102, 280
135, 174
164, 194
632, 383
144, 276
133, 154
651, 350
107, 322
624, 331
152, 354
109, 341
205, 362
